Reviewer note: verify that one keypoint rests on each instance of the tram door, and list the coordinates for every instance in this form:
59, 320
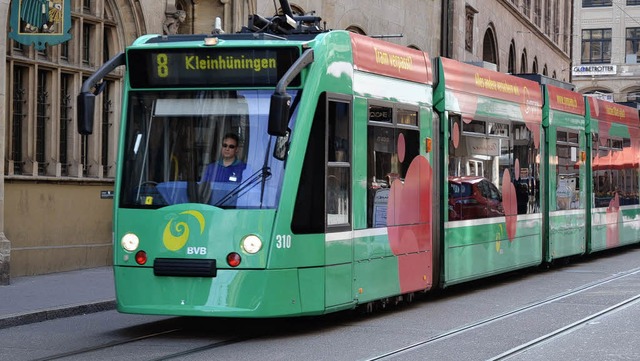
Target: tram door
392, 143
338, 224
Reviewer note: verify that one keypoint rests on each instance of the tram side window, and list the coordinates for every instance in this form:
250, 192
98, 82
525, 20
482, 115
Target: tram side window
389, 128
308, 214
568, 194
338, 164
479, 153
614, 172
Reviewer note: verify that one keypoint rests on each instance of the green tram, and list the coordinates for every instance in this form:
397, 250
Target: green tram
362, 173
614, 132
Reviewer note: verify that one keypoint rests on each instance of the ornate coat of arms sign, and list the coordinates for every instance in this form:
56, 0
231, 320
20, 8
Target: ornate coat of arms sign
40, 22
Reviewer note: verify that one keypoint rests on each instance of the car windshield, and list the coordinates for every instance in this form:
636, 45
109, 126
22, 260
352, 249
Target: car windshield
208, 147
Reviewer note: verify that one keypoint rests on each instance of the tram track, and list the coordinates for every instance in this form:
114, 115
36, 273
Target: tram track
179, 328
90, 349
567, 329
416, 346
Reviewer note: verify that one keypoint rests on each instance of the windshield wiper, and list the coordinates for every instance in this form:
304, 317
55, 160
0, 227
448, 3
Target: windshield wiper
262, 175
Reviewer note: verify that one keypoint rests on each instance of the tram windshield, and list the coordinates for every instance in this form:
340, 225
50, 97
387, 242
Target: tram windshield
209, 147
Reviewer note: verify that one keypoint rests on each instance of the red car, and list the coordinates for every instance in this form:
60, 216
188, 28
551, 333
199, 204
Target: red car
473, 198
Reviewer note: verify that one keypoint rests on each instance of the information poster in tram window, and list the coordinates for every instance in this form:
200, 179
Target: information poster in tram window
380, 207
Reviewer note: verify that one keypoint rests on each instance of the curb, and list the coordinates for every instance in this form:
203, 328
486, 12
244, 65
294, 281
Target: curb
19, 319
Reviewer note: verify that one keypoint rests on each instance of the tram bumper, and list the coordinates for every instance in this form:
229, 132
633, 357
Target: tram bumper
232, 293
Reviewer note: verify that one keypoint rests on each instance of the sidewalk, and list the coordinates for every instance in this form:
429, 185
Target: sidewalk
45, 297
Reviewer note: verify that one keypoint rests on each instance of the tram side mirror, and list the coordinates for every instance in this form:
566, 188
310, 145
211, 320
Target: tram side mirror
86, 105
282, 146
279, 114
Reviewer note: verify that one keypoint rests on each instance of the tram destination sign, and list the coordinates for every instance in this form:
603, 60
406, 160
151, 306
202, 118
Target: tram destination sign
210, 67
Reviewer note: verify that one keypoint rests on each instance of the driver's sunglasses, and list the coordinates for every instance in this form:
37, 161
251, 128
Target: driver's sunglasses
230, 146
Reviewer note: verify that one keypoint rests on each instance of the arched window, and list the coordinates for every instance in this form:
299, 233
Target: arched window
512, 58
633, 96
534, 68
603, 94
523, 62
356, 29
544, 70
489, 49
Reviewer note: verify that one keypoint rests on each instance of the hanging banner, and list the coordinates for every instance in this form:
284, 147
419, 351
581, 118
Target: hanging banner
40, 22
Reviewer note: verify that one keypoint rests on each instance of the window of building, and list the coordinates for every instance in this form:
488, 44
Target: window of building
19, 114
633, 2
567, 31
512, 59
86, 44
468, 38
555, 27
107, 124
596, 46
596, 3
547, 18
489, 53
523, 62
632, 45
43, 108
526, 8
537, 12
65, 121
534, 68
633, 96
41, 138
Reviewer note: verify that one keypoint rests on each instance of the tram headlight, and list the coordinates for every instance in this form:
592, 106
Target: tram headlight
130, 242
251, 244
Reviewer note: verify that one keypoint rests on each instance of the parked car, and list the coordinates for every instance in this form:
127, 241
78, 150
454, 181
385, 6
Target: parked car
473, 198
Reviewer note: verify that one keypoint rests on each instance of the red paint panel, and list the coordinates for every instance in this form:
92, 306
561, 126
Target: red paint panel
381, 57
470, 81
614, 113
566, 100
409, 222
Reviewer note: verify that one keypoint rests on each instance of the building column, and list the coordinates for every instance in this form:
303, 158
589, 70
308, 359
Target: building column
5, 245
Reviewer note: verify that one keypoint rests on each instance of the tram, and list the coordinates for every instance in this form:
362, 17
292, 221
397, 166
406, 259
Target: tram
363, 172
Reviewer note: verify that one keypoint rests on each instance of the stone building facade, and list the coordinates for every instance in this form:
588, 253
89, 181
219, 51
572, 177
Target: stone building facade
55, 209
607, 49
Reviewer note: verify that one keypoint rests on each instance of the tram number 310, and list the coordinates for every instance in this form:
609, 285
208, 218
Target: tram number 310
283, 241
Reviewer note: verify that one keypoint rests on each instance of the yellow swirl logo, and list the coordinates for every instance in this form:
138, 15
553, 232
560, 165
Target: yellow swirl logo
176, 232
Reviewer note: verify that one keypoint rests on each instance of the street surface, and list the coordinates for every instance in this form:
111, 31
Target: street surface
585, 310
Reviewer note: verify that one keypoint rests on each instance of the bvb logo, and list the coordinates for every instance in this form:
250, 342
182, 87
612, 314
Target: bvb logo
176, 234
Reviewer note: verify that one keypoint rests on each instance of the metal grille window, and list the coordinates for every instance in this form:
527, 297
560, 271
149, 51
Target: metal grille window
64, 51
86, 44
107, 110
84, 154
86, 6
19, 114
41, 120
41, 140
65, 120
596, 46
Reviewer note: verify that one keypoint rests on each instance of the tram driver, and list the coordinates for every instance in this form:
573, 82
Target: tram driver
228, 168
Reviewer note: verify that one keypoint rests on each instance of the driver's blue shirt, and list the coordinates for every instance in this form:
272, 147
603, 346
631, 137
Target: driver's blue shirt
217, 172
